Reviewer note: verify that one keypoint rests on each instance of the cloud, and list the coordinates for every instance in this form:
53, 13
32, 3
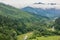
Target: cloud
18, 3
23, 3
39, 3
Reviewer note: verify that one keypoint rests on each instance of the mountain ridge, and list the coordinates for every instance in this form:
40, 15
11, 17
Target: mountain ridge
51, 12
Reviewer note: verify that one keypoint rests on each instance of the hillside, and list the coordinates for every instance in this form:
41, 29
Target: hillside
14, 22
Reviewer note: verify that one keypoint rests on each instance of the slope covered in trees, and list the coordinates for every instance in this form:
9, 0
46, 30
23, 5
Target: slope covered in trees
57, 24
14, 22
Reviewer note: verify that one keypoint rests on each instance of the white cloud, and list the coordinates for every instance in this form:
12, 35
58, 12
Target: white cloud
22, 3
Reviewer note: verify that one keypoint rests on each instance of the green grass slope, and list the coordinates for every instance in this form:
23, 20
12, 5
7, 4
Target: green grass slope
21, 37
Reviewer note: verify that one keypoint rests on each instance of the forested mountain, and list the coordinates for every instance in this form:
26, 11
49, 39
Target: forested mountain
14, 22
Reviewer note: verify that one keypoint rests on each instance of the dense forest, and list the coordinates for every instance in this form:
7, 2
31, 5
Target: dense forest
14, 22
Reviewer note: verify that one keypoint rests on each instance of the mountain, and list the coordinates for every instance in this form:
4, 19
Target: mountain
14, 22
47, 12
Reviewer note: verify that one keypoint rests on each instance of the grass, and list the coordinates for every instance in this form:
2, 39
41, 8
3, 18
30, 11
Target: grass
48, 38
21, 37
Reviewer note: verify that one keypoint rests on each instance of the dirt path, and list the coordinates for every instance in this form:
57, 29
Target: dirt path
25, 38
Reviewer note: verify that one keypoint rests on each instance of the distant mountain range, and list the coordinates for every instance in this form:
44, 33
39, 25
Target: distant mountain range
48, 12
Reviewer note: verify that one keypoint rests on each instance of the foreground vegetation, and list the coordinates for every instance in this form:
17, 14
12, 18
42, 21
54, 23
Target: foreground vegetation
48, 38
21, 37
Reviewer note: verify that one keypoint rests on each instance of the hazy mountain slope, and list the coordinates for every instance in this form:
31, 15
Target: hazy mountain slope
48, 12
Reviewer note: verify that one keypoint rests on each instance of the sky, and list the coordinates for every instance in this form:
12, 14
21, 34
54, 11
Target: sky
23, 3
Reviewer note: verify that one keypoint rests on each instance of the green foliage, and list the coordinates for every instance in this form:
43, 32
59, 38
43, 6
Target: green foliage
14, 22
57, 24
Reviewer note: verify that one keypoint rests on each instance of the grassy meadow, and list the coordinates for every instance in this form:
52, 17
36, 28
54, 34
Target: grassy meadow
21, 37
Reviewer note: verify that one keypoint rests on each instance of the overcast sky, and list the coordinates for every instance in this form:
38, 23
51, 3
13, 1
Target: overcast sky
22, 3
